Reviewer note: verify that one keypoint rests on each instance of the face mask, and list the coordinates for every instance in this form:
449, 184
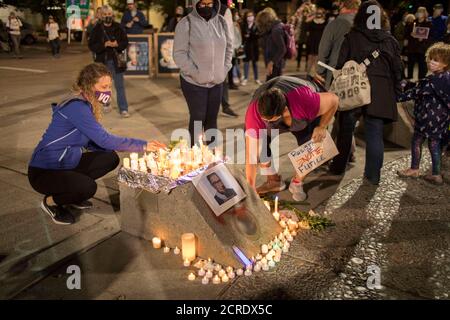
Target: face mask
435, 66
103, 96
205, 12
108, 19
250, 19
419, 15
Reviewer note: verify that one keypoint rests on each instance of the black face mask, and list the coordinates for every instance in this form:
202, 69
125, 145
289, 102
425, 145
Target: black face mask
205, 12
108, 20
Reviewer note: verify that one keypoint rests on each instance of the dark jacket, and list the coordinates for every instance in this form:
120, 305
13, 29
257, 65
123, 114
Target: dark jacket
275, 44
385, 73
137, 27
416, 45
250, 40
98, 38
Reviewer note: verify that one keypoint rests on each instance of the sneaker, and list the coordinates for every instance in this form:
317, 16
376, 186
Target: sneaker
244, 82
59, 214
296, 188
258, 82
82, 205
271, 186
124, 114
434, 179
229, 112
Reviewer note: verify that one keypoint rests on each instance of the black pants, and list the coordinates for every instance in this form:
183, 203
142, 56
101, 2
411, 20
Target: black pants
276, 72
203, 104
418, 58
225, 96
77, 185
55, 46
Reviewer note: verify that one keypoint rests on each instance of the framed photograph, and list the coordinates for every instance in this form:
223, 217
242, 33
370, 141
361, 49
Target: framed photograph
165, 64
219, 188
421, 32
139, 55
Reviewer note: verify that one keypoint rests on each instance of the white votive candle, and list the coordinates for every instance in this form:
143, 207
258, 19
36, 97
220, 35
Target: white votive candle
209, 274
201, 272
222, 273
126, 163
156, 243
216, 279
257, 268
225, 278
176, 250
264, 249
166, 249
186, 263
191, 277
248, 273
265, 267
205, 280
134, 156
231, 275
271, 264
276, 215
239, 272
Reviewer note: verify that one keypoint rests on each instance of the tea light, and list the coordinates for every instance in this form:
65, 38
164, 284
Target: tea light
248, 273
271, 264
265, 267
222, 273
134, 165
166, 249
286, 232
283, 224
188, 246
264, 261
264, 249
205, 280
186, 263
285, 249
249, 267
218, 267
231, 275
156, 243
225, 278
294, 233
229, 269
191, 277
290, 238
258, 257
176, 250
201, 272
277, 258
209, 274
239, 272
126, 163
216, 279
134, 156
257, 268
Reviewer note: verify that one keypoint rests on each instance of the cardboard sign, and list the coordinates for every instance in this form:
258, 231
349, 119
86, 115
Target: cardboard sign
311, 155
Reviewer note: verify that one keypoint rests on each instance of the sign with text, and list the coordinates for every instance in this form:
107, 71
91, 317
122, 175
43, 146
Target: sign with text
311, 155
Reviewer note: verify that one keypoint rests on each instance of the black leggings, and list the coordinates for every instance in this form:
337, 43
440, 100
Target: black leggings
76, 185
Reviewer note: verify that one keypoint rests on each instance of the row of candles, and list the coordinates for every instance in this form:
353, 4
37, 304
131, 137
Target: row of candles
209, 271
174, 163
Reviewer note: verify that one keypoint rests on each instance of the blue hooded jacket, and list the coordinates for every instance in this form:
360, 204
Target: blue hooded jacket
137, 27
74, 127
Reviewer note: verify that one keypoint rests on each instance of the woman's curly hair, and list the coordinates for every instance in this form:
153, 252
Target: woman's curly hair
439, 52
85, 83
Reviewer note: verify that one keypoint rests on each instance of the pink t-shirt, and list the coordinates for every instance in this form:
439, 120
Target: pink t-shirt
303, 103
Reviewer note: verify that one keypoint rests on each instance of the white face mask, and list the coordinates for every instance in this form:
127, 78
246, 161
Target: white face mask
435, 66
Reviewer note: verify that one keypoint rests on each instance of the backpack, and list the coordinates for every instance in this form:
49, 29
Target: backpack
351, 83
291, 48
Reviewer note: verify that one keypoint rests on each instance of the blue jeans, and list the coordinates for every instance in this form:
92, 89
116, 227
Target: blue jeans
247, 69
373, 134
119, 85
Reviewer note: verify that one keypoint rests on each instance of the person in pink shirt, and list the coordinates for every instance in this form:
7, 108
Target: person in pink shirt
288, 104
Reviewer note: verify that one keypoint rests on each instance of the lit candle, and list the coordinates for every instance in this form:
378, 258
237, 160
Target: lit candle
188, 246
283, 224
277, 258
265, 267
276, 204
257, 268
229, 269
271, 264
205, 280
166, 250
176, 250
264, 249
239, 272
134, 165
276, 215
249, 267
218, 267
216, 279
218, 154
156, 243
222, 273
231, 275
286, 232
186, 263
126, 163
264, 261
285, 249
294, 233
267, 204
209, 274
248, 273
258, 257
225, 278
290, 238
201, 272
134, 156
191, 277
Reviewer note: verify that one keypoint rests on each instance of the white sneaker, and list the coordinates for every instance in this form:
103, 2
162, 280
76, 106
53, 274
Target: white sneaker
125, 114
258, 82
296, 188
244, 82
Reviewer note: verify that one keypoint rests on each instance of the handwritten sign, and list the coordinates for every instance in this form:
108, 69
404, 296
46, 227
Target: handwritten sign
311, 155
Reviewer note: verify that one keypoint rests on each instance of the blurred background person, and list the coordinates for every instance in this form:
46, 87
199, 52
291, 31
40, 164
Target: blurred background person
314, 30
439, 23
237, 50
179, 14
417, 47
52, 29
400, 34
133, 20
251, 47
107, 40
203, 50
13, 24
274, 40
304, 15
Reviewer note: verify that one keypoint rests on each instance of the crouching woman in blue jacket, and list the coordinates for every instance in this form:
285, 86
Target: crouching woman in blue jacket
76, 150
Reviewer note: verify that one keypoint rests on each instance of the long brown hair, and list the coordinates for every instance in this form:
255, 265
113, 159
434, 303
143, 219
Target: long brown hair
85, 83
265, 19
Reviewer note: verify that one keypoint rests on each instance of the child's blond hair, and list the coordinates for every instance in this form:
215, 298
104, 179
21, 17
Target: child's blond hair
439, 52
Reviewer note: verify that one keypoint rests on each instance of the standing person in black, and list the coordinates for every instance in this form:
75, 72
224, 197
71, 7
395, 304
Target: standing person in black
107, 39
385, 74
417, 47
274, 40
314, 31
251, 46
